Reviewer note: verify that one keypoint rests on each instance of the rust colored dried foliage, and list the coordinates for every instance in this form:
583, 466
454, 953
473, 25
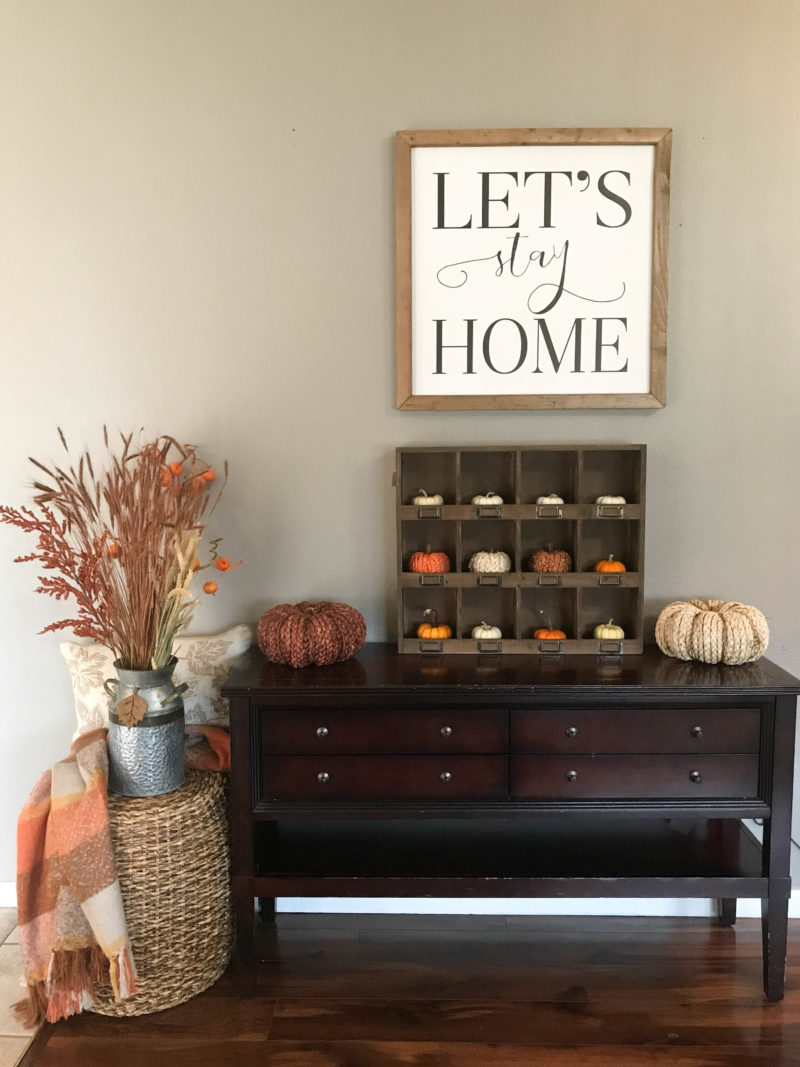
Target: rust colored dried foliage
119, 540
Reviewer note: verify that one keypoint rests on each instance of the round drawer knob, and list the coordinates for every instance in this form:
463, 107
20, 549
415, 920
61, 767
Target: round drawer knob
446, 731
571, 731
696, 777
445, 777
697, 731
322, 731
323, 777
572, 776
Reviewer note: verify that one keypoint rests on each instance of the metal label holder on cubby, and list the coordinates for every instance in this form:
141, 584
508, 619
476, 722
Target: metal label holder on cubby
609, 648
575, 601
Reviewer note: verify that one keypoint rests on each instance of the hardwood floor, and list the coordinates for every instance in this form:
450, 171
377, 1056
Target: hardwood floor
462, 991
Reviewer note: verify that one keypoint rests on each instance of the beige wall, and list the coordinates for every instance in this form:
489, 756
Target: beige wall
196, 236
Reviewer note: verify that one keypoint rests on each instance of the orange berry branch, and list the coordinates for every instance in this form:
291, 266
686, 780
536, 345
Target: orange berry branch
122, 543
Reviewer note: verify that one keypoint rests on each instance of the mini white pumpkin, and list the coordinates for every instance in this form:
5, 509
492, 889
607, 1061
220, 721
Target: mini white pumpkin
608, 499
490, 562
485, 632
550, 498
487, 498
608, 631
423, 499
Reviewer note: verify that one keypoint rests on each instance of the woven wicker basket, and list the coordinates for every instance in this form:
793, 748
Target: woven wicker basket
173, 860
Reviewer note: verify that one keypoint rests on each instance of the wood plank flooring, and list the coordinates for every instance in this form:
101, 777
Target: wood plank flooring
467, 991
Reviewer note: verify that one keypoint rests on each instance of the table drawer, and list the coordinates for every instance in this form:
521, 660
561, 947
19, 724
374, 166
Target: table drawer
385, 777
396, 731
632, 730
634, 777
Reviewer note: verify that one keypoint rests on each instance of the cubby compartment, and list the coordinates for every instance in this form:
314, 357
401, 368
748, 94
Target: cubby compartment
434, 472
598, 605
549, 471
560, 606
417, 534
494, 606
611, 472
487, 471
488, 535
575, 600
561, 534
600, 538
417, 600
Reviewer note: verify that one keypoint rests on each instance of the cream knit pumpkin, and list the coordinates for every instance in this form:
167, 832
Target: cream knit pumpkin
712, 631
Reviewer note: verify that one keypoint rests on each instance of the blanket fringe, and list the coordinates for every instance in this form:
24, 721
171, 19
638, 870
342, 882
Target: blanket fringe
32, 1009
122, 973
68, 988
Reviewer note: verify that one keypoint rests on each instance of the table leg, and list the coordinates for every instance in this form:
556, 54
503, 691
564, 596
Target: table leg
774, 921
245, 916
266, 909
776, 849
726, 911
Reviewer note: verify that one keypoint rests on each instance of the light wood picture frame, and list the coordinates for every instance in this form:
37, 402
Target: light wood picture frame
532, 268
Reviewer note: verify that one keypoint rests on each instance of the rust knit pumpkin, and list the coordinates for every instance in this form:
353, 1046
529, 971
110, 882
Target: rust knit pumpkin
551, 561
305, 634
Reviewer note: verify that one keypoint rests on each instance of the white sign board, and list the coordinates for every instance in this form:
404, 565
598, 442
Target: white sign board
531, 273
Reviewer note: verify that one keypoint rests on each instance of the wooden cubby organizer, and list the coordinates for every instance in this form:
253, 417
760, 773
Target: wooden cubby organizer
575, 601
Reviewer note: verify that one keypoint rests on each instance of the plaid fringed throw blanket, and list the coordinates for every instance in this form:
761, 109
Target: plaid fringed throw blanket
72, 928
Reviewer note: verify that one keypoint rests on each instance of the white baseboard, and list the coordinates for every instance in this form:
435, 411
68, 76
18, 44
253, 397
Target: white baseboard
671, 907
8, 894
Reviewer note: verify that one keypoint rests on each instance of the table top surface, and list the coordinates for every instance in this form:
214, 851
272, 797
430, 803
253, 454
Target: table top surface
381, 667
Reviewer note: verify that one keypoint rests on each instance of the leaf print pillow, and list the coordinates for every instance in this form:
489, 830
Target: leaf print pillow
204, 662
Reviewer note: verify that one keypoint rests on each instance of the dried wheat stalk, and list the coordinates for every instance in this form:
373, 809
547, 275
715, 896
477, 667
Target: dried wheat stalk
124, 541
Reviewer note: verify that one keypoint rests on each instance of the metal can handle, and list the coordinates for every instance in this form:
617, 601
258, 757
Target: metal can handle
179, 691
107, 686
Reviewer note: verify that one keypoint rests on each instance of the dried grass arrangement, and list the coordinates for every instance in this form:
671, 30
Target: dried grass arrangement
122, 541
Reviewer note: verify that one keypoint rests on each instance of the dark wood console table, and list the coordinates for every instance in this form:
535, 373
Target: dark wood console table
564, 776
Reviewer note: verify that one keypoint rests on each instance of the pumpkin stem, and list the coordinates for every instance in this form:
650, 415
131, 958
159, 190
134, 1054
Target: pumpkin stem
422, 492
432, 613
610, 621
549, 546
428, 550
546, 619
610, 557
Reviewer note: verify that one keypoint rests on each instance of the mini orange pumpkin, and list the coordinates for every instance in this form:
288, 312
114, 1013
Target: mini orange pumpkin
610, 565
548, 633
429, 562
432, 631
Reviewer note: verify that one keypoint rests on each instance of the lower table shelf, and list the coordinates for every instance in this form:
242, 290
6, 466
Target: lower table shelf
483, 857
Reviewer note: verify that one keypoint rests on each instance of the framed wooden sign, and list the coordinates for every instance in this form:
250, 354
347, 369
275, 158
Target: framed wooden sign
532, 268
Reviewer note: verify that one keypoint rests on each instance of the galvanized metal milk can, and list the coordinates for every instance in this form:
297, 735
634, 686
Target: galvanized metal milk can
146, 760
